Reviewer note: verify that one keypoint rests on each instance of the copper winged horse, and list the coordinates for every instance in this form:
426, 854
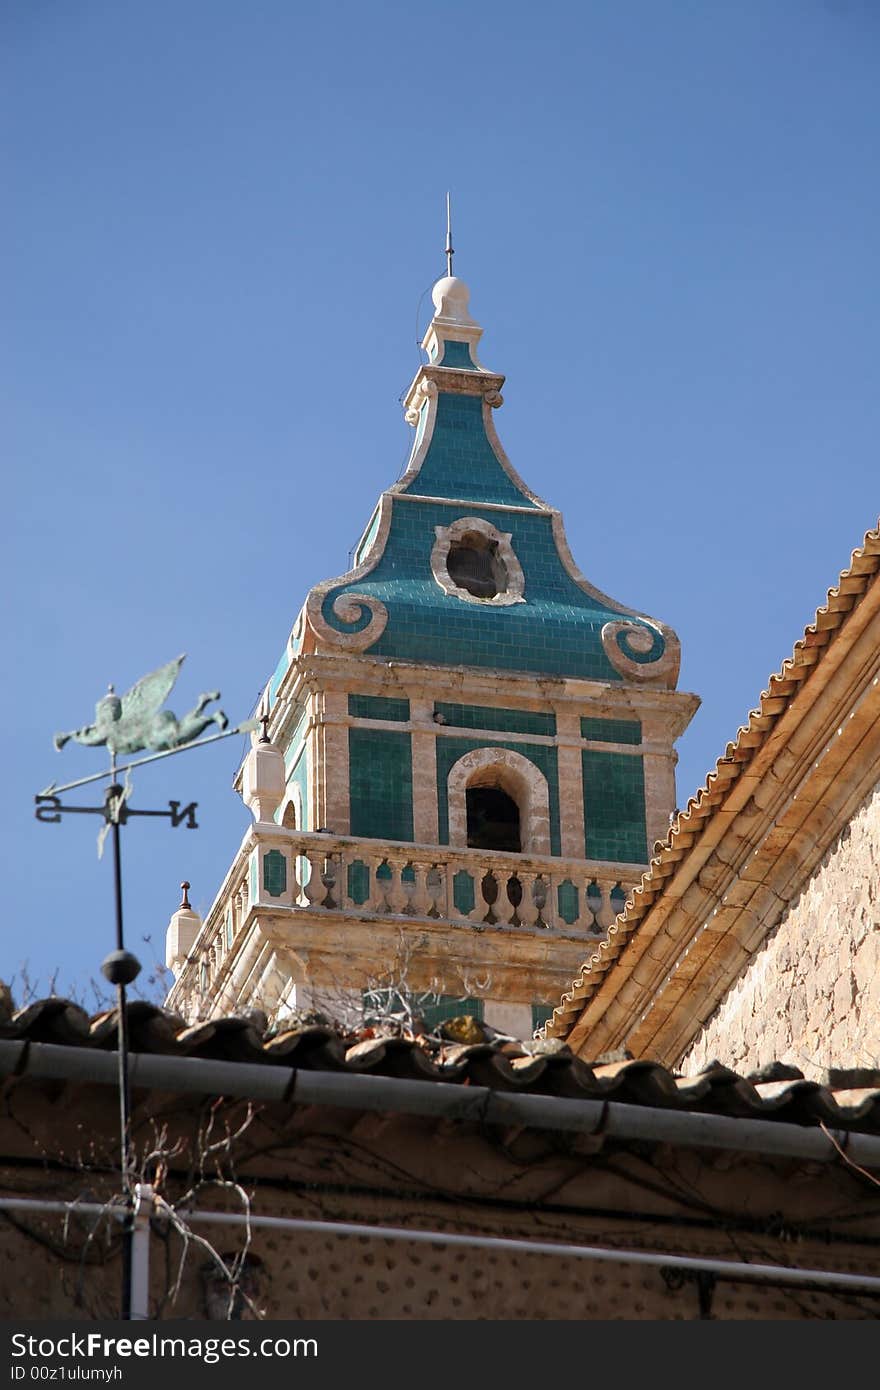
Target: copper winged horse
136, 720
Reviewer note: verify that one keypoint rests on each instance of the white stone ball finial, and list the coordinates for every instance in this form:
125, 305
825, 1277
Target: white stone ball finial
451, 296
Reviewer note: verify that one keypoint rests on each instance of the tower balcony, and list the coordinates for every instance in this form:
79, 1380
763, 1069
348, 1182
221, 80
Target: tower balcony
328, 908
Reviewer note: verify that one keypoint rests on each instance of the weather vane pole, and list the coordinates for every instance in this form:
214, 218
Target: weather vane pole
128, 724
449, 251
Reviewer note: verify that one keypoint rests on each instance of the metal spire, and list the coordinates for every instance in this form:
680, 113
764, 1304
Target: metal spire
449, 251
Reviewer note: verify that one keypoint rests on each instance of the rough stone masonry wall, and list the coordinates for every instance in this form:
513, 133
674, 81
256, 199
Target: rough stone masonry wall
811, 996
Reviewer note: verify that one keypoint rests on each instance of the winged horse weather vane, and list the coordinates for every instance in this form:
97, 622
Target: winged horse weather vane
135, 720
132, 723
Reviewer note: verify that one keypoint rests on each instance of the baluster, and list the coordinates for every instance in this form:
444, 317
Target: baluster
527, 911
593, 897
437, 887
376, 901
329, 879
617, 900
510, 900
420, 898
398, 897
314, 888
490, 893
542, 897
408, 887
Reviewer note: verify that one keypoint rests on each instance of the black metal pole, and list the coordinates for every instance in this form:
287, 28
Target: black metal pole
120, 968
124, 1086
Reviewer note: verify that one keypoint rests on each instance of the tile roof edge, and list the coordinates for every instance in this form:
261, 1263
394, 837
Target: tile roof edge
783, 686
482, 1105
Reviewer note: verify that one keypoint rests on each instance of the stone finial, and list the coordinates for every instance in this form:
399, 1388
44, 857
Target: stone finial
451, 297
452, 322
183, 929
263, 780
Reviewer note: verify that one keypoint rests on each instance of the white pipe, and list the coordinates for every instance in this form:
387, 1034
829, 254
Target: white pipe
139, 1304
736, 1270
728, 1269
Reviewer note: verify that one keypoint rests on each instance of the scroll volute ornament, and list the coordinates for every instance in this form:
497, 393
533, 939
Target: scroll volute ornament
621, 637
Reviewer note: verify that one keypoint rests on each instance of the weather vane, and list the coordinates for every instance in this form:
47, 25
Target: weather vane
132, 723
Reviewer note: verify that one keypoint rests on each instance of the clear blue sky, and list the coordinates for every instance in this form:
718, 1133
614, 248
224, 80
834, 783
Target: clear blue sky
219, 220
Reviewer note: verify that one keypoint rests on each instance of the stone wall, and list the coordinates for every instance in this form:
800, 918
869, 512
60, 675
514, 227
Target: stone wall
811, 996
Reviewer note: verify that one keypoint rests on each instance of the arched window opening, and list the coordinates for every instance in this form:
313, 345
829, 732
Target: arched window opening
492, 820
288, 820
474, 564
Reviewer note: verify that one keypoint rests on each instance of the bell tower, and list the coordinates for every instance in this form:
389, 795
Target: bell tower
467, 751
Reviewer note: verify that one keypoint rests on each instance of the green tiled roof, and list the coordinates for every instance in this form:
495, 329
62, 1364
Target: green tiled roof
460, 461
455, 472
556, 631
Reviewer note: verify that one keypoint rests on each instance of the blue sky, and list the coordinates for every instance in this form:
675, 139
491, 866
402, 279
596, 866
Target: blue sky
220, 221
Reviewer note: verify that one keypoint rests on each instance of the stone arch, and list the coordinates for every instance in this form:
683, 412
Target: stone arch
512, 773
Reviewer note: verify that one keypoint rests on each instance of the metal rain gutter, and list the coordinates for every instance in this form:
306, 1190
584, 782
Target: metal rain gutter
438, 1099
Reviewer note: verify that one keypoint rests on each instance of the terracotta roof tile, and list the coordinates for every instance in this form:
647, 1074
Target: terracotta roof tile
782, 687
502, 1064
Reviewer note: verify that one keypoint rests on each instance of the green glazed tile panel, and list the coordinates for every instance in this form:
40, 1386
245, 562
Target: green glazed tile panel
380, 778
463, 894
556, 632
274, 873
456, 354
614, 807
378, 707
460, 461
358, 882
512, 721
567, 899
612, 730
449, 750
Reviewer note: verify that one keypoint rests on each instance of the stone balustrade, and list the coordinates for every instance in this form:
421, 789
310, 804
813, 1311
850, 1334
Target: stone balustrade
328, 873
294, 871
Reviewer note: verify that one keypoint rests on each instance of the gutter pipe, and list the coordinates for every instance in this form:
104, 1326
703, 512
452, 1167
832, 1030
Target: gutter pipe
438, 1099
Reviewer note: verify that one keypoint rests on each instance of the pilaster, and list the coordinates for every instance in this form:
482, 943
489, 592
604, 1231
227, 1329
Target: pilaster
424, 769
571, 784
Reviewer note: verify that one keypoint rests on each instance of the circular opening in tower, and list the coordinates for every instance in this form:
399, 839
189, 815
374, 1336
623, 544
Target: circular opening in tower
475, 565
